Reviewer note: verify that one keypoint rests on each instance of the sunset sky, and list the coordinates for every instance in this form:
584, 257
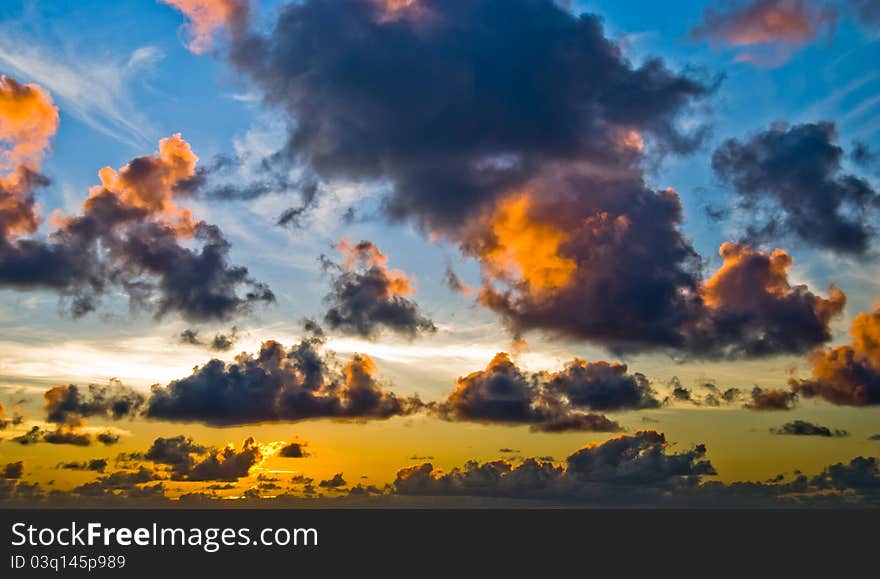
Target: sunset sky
575, 252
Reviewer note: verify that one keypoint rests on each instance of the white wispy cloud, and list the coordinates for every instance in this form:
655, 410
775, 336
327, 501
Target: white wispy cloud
96, 91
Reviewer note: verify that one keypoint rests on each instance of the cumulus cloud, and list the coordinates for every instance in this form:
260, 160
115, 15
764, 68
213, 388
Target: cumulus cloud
278, 384
769, 29
28, 120
771, 399
190, 461
70, 404
334, 482
13, 470
570, 238
848, 374
630, 281
293, 450
133, 235
797, 168
549, 402
804, 428
750, 309
367, 296
629, 466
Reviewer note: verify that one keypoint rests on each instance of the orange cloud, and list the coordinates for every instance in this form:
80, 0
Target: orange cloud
766, 23
149, 183
28, 120
368, 255
751, 280
848, 374
390, 10
525, 248
206, 17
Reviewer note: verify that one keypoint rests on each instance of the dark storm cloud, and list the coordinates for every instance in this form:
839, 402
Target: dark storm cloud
563, 121
131, 236
771, 399
848, 374
549, 402
460, 73
804, 428
798, 169
293, 450
627, 278
278, 384
367, 296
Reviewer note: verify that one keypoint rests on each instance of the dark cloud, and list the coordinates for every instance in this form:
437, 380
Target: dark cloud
107, 437
122, 482
174, 451
132, 236
534, 165
798, 169
367, 296
62, 435
95, 464
221, 342
504, 394
847, 374
190, 337
633, 466
293, 450
861, 474
627, 279
189, 461
804, 428
227, 464
13, 470
69, 404
563, 95
602, 386
335, 481
65, 435
867, 11
771, 399
278, 384
32, 436
577, 422
767, 31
